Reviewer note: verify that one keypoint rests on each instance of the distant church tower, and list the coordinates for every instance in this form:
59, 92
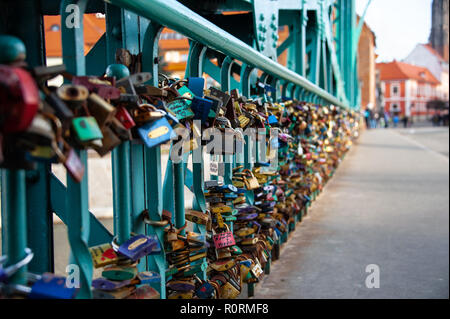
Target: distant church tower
439, 28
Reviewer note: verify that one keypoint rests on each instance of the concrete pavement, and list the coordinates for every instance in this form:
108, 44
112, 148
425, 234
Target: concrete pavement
387, 204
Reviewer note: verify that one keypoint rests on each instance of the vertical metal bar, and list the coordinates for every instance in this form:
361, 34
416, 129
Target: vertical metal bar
195, 69
246, 70
178, 178
77, 201
303, 23
314, 68
40, 219
14, 220
324, 67
152, 160
225, 74
121, 191
124, 26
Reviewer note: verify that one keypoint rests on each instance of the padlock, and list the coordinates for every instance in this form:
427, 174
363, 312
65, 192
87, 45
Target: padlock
180, 108
119, 273
60, 108
229, 291
86, 129
104, 87
109, 142
73, 95
196, 85
250, 181
19, 99
151, 91
144, 292
181, 295
139, 246
118, 129
156, 133
146, 113
222, 265
223, 239
201, 107
125, 118
180, 285
205, 291
103, 255
197, 217
120, 293
148, 277
109, 285
100, 109
45, 286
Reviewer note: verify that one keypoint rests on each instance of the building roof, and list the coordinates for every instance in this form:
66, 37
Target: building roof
434, 52
397, 70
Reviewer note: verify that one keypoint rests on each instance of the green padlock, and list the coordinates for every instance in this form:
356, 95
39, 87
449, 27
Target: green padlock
86, 129
235, 250
229, 218
119, 273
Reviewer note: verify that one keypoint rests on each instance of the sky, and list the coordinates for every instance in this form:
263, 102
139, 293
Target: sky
398, 25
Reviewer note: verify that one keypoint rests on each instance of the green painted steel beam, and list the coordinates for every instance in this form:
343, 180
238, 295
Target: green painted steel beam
14, 221
181, 19
77, 200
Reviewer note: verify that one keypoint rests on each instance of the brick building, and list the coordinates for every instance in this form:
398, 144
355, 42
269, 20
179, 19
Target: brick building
407, 88
366, 67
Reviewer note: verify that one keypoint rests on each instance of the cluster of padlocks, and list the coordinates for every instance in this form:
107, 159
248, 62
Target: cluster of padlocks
246, 215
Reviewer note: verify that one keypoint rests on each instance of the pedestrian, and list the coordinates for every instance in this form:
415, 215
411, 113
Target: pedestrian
395, 119
405, 121
367, 118
387, 118
376, 120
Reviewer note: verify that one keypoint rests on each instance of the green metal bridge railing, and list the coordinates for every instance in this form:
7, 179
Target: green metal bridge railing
321, 68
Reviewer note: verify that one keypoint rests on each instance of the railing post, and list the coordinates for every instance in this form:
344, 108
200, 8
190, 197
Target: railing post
152, 161
14, 225
77, 201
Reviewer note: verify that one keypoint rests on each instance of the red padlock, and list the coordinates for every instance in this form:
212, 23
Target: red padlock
125, 118
19, 99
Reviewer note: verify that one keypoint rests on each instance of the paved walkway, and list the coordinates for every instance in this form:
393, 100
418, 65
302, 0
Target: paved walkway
388, 204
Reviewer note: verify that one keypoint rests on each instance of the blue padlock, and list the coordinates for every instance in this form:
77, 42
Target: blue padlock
272, 119
196, 85
148, 277
205, 291
156, 133
109, 285
139, 246
230, 195
201, 108
49, 286
269, 88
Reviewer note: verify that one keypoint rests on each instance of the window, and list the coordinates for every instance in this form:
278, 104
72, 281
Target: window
395, 89
55, 28
395, 108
